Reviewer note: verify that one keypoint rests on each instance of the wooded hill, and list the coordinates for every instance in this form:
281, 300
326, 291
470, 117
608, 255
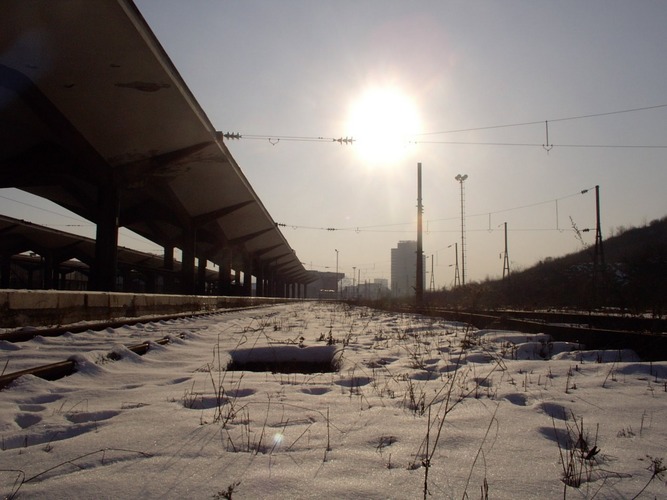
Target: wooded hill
632, 278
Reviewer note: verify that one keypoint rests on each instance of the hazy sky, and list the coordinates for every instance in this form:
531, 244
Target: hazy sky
280, 69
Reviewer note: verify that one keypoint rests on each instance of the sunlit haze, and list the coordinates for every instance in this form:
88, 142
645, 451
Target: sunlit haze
534, 101
384, 123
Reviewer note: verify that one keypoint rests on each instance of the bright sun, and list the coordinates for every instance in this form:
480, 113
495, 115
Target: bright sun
383, 121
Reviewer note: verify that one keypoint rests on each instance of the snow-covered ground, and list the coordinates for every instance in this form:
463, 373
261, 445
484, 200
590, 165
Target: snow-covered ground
413, 401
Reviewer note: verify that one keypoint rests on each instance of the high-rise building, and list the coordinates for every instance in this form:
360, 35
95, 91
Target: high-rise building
404, 269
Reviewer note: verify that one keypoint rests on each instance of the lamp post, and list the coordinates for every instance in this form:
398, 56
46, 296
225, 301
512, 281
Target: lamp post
461, 179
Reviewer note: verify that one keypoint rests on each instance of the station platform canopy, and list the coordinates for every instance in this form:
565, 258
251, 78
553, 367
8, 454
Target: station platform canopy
90, 100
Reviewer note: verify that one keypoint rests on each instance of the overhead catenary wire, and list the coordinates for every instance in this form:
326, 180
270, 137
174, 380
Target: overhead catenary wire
59, 214
375, 228
437, 231
553, 145
378, 228
274, 139
83, 222
540, 122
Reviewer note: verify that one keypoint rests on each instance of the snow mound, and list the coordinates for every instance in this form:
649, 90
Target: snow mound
600, 356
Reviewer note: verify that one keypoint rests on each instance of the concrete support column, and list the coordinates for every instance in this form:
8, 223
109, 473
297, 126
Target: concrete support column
151, 282
260, 281
169, 267
62, 280
247, 281
5, 270
188, 248
225, 273
269, 286
126, 274
201, 276
49, 269
103, 273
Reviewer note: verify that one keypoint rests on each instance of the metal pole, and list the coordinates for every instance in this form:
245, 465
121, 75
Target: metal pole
420, 261
337, 274
432, 286
462, 178
457, 276
506, 262
599, 253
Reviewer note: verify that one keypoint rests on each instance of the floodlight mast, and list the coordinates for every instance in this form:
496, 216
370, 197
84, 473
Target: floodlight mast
461, 179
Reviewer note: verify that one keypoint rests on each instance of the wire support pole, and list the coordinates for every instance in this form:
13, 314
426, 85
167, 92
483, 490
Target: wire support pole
337, 290
461, 179
599, 251
431, 287
506, 260
457, 274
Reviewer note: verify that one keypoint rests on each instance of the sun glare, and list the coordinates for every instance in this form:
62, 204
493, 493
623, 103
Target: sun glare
383, 121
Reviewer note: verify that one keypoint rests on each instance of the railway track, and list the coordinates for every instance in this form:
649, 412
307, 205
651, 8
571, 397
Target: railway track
60, 369
650, 341
82, 338
646, 336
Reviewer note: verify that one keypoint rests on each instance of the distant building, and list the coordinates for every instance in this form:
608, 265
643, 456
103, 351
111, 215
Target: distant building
378, 289
404, 269
327, 285
382, 282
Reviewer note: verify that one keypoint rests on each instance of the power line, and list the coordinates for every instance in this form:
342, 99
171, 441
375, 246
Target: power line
375, 228
521, 207
540, 122
276, 138
44, 210
429, 231
532, 145
59, 214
